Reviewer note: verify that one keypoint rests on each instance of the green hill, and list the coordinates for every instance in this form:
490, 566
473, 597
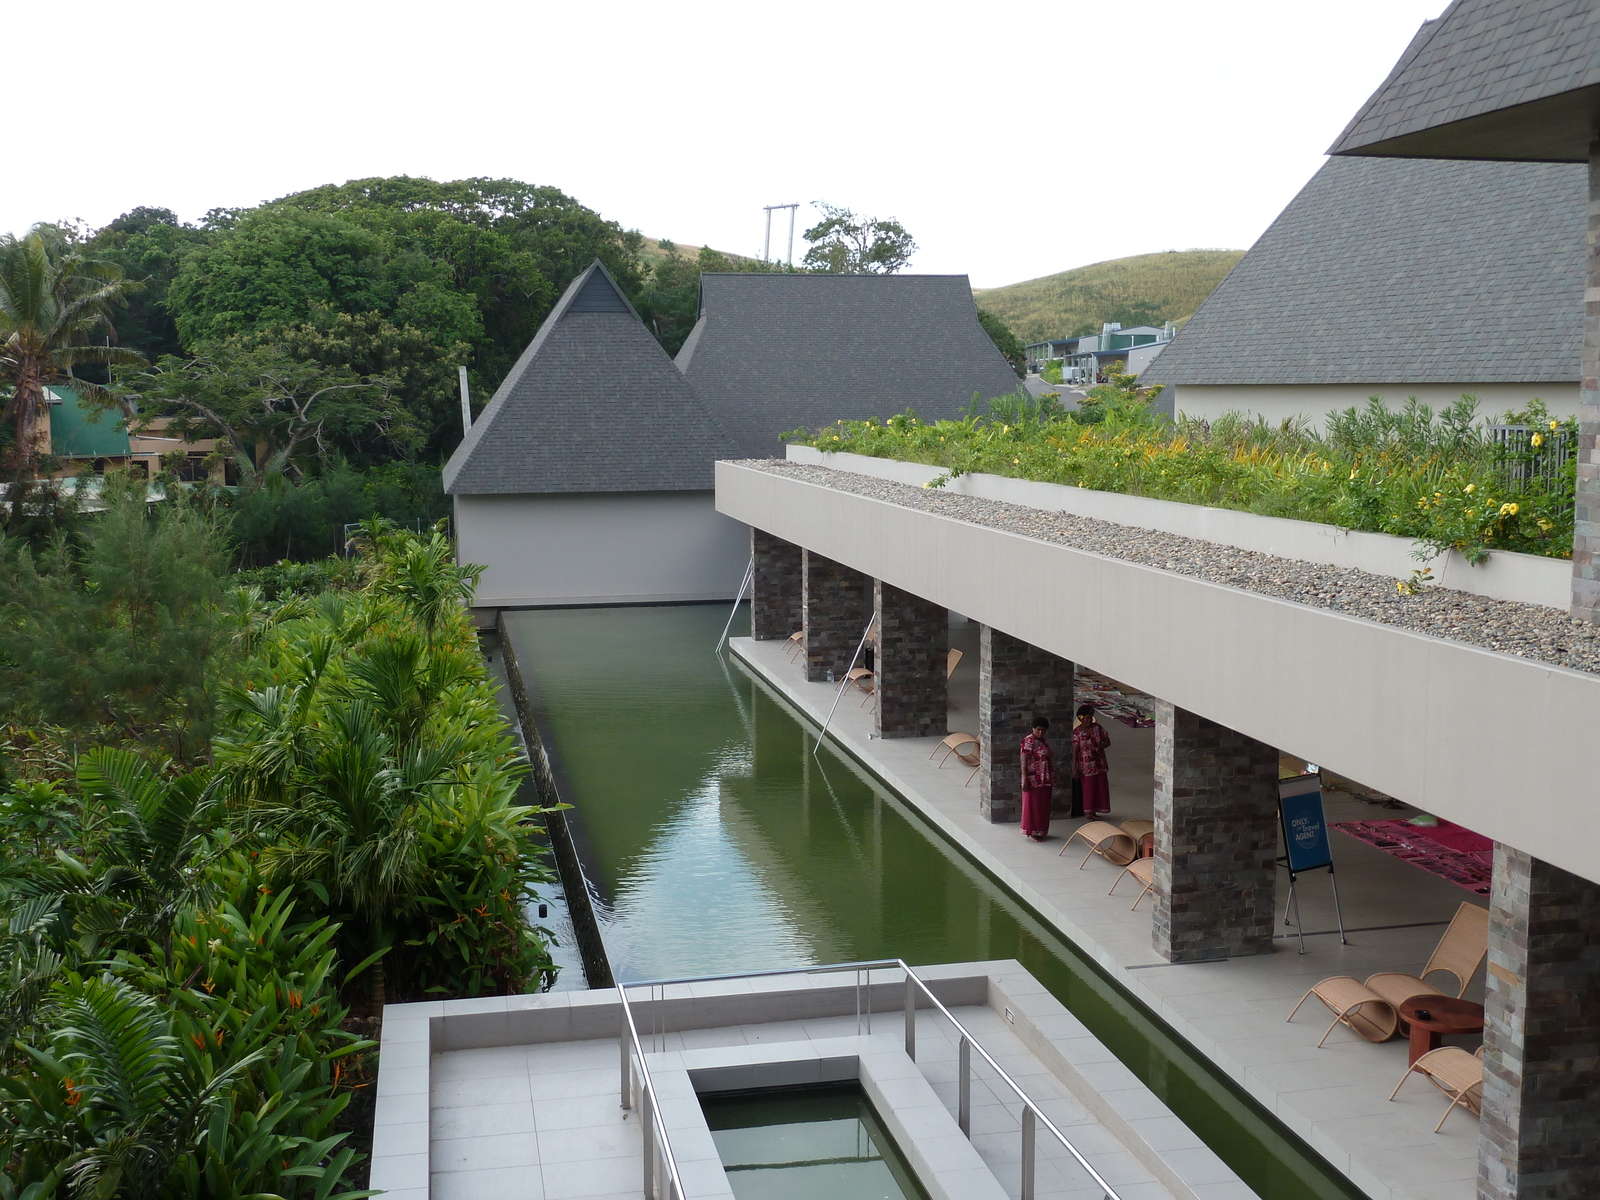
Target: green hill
1147, 289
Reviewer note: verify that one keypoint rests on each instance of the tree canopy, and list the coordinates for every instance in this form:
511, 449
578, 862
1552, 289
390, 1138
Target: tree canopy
845, 244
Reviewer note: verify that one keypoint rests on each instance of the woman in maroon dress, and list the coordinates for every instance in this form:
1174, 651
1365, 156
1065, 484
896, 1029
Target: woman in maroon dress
1038, 782
1089, 742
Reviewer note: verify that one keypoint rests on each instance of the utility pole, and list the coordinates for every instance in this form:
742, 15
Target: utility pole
466, 402
766, 247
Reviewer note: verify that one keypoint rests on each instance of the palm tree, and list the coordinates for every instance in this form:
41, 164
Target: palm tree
53, 301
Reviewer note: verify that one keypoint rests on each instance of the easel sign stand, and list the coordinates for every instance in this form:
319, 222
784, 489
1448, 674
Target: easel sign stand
1305, 838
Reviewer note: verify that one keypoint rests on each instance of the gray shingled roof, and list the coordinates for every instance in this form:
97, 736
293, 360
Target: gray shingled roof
593, 405
1394, 271
774, 352
1496, 79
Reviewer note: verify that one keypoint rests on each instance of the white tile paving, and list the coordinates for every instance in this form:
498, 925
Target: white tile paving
1231, 1011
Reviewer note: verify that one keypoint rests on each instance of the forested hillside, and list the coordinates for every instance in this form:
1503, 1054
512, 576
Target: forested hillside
1147, 289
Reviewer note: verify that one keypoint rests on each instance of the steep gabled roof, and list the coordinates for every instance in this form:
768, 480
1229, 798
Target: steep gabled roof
774, 352
1491, 79
593, 405
1394, 271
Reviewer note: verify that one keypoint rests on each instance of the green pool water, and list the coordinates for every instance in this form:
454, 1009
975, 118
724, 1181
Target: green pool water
724, 844
802, 1143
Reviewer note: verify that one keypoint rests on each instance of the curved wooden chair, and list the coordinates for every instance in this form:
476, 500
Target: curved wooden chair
1454, 1072
1352, 1005
864, 680
1460, 953
964, 746
1106, 840
1142, 869
797, 644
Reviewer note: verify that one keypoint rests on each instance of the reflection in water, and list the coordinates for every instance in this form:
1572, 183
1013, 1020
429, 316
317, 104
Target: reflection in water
725, 845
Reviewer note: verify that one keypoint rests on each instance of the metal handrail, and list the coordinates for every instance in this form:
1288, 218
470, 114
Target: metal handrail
1031, 1112
653, 1124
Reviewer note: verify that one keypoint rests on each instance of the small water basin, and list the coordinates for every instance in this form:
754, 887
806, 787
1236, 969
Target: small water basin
802, 1143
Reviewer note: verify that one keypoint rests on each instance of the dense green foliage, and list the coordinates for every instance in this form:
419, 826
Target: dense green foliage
182, 940
1147, 289
1437, 478
843, 243
1008, 343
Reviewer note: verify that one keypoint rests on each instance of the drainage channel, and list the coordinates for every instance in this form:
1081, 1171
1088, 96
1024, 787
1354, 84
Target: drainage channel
721, 843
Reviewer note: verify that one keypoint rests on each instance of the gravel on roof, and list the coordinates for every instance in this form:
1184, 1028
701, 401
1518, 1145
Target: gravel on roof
1529, 631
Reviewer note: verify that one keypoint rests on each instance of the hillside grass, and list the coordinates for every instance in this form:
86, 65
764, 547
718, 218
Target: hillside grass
1146, 289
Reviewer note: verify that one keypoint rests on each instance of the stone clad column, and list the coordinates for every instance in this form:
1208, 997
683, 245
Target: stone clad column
1216, 809
1540, 1136
837, 604
775, 611
913, 648
1586, 519
1015, 681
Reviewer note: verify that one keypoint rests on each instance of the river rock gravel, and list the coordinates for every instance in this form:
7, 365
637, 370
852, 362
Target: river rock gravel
1529, 631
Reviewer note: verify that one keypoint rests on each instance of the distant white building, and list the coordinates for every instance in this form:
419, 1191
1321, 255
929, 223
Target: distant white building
1085, 358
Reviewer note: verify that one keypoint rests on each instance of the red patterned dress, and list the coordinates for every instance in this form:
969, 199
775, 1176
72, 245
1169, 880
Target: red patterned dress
1038, 786
1089, 742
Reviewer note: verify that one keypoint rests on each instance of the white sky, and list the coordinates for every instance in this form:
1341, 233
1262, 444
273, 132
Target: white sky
1013, 139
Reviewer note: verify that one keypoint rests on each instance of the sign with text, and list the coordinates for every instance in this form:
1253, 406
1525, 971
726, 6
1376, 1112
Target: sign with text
1305, 828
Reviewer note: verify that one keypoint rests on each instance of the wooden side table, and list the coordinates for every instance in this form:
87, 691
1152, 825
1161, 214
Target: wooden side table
1444, 1014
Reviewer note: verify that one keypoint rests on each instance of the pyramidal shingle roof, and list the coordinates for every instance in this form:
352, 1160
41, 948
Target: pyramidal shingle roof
1494, 79
593, 405
1399, 270
773, 352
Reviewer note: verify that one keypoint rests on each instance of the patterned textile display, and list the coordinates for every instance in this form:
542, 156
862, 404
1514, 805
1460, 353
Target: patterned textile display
1449, 851
1132, 708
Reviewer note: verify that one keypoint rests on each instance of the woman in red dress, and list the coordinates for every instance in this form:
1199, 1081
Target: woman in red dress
1089, 742
1038, 782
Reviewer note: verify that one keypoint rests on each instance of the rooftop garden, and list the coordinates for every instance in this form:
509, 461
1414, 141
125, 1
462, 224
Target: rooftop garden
1447, 480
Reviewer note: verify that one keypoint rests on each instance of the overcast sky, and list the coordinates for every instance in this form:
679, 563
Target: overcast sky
1013, 139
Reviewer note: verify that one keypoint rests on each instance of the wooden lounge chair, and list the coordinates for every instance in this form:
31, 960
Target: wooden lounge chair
1142, 869
965, 747
1454, 1072
951, 660
864, 680
797, 644
1353, 1005
1106, 840
1375, 1005
1460, 953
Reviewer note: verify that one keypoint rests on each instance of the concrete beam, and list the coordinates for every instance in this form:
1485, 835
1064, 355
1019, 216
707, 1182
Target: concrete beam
1400, 711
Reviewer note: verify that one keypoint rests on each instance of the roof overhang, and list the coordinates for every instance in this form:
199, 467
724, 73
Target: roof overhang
1558, 128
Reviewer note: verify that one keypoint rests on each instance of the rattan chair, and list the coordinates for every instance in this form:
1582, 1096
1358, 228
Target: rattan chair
1460, 953
1142, 869
1352, 1005
1454, 1072
1106, 840
964, 746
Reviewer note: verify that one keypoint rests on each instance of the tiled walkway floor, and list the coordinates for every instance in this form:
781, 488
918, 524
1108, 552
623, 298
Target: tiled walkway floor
1336, 1097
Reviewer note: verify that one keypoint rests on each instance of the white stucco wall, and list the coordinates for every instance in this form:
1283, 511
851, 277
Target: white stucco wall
1500, 744
1314, 401
601, 548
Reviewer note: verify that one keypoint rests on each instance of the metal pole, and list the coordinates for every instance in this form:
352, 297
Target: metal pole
648, 1116
744, 582
911, 1016
766, 246
627, 1067
1299, 927
845, 682
1337, 911
793, 209
466, 401
964, 1106
1027, 1152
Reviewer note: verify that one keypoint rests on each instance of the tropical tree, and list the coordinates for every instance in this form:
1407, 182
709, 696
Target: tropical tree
54, 302
845, 244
